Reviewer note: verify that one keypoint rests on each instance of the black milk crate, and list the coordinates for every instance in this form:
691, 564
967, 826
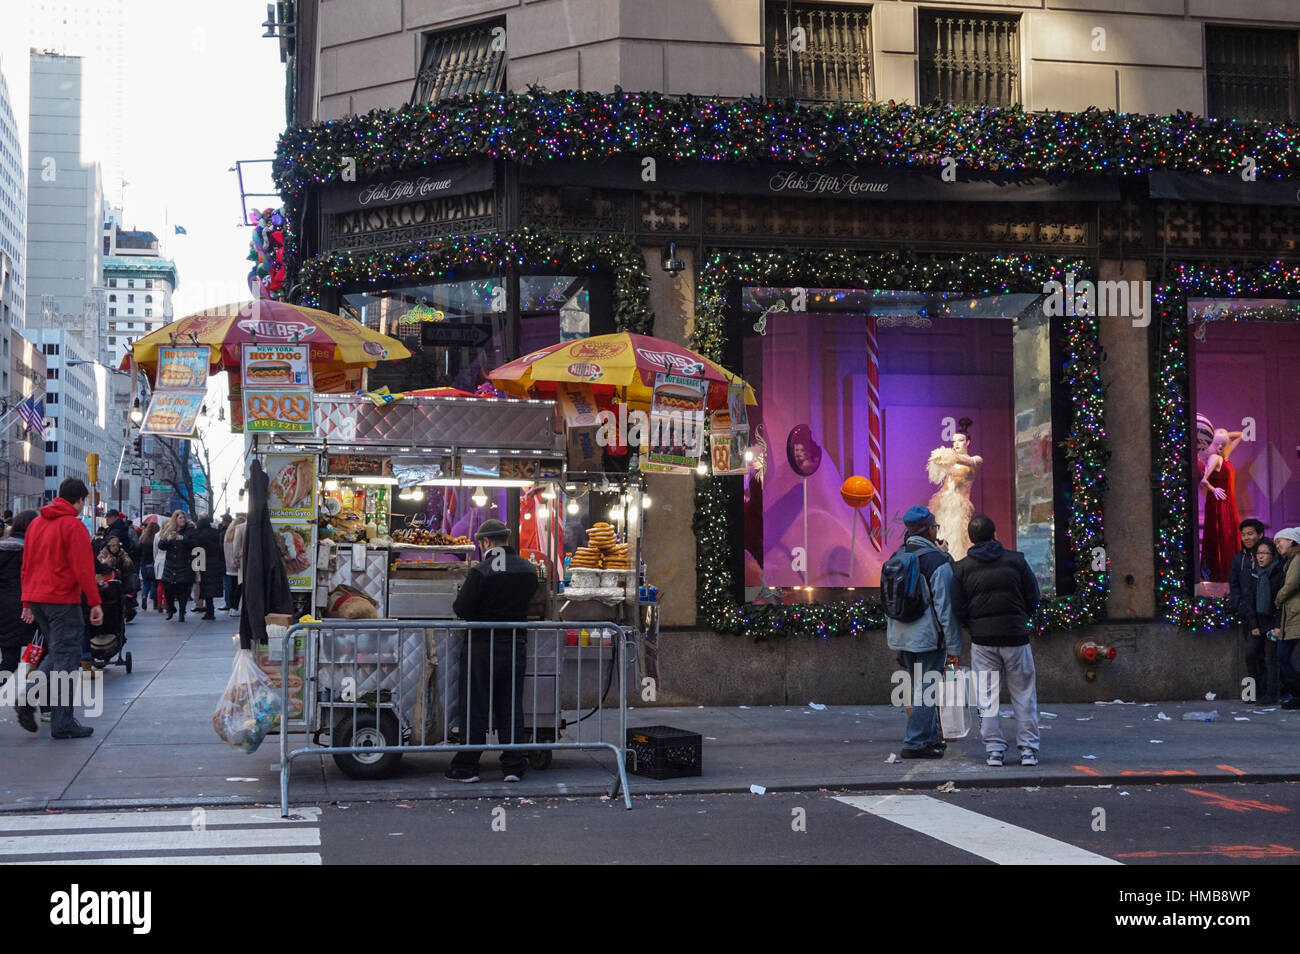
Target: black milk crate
660, 751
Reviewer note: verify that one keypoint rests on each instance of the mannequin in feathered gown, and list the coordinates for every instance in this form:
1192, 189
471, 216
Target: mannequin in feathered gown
954, 469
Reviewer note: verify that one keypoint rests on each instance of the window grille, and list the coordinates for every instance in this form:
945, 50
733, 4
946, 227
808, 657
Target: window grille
969, 60
1251, 74
458, 62
818, 53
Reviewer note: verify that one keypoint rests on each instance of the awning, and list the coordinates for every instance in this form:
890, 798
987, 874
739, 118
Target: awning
1232, 189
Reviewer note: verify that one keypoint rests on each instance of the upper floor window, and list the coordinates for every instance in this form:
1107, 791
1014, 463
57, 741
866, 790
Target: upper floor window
1251, 74
969, 60
148, 283
130, 283
816, 52
469, 59
112, 283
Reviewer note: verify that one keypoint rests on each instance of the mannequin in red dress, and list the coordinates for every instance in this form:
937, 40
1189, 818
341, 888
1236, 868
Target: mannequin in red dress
1219, 534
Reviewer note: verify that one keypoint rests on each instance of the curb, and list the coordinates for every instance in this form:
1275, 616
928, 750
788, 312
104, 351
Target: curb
500, 790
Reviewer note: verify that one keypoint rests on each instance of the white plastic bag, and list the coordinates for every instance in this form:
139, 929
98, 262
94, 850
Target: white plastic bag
954, 712
250, 706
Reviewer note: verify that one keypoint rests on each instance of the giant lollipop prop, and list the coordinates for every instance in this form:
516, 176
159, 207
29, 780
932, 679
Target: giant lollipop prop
857, 493
805, 456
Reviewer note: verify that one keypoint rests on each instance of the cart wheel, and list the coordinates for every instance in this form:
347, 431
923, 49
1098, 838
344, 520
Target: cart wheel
128, 663
541, 759
369, 732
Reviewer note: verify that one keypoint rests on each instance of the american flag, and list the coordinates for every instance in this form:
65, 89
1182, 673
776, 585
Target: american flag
32, 411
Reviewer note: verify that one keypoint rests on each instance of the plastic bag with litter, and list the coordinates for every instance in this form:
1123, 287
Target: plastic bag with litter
250, 706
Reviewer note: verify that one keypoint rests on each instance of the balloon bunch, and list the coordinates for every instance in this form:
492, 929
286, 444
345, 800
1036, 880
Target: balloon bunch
266, 278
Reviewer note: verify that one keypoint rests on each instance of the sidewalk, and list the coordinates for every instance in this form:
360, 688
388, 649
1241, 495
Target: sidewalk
154, 745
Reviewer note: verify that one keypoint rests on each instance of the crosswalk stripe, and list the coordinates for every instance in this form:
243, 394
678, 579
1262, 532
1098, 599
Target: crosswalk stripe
267, 858
994, 840
187, 840
163, 819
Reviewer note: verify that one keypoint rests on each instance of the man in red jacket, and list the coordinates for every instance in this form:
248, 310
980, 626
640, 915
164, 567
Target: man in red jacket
58, 569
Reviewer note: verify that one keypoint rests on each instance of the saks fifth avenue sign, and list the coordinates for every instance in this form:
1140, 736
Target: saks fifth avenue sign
433, 182
399, 189
824, 183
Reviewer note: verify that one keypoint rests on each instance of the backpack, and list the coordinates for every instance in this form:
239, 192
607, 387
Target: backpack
904, 588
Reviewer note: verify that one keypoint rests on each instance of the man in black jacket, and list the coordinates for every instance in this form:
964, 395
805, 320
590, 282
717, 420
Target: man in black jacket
996, 594
499, 587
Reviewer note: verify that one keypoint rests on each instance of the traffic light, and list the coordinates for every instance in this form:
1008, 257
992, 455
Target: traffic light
138, 452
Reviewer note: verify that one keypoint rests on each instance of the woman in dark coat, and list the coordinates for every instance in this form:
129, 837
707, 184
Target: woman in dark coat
1261, 616
212, 581
177, 540
14, 633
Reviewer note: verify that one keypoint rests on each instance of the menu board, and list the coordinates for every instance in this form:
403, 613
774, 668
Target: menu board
676, 437
276, 385
291, 494
280, 411
172, 413
180, 389
182, 368
276, 366
296, 541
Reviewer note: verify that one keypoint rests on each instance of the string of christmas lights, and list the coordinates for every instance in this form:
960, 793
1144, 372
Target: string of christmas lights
1175, 438
974, 275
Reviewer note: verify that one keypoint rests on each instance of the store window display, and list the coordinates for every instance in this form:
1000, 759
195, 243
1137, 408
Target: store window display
1243, 351
895, 388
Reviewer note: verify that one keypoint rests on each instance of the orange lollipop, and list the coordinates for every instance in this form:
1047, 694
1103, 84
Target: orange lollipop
857, 492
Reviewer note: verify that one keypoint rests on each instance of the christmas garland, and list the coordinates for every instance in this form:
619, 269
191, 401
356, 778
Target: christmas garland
1085, 445
1174, 434
455, 256
539, 125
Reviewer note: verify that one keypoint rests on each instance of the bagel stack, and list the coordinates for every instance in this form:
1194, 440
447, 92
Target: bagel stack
585, 558
602, 539
617, 558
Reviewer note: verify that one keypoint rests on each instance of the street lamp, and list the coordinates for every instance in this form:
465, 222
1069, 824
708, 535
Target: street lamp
137, 413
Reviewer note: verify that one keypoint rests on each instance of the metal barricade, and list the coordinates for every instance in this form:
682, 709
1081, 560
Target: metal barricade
378, 688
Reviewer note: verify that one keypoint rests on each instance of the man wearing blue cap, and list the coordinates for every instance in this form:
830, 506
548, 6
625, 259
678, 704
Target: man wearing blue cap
932, 639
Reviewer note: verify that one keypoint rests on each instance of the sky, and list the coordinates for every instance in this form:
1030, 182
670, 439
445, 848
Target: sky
201, 88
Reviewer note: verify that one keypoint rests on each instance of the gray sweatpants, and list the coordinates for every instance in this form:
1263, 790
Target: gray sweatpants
1015, 668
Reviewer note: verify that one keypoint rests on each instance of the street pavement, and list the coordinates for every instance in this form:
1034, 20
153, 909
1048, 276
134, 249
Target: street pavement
154, 746
1240, 825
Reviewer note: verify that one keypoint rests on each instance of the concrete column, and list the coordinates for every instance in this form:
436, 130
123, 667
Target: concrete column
669, 544
1129, 516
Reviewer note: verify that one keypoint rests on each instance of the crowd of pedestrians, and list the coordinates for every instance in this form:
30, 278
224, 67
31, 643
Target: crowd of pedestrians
993, 594
53, 573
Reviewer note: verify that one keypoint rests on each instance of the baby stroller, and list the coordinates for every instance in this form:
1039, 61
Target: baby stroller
108, 638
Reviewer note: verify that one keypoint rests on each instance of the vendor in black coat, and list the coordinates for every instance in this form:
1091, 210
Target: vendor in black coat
1260, 616
177, 539
14, 633
212, 581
